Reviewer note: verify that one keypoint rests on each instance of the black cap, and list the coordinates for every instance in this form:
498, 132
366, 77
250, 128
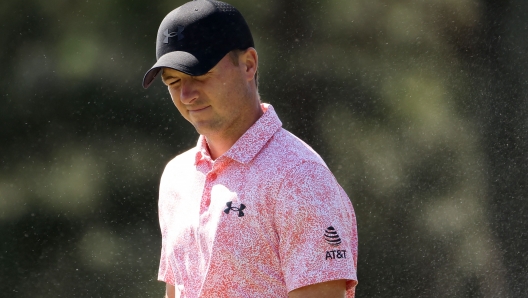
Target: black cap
194, 37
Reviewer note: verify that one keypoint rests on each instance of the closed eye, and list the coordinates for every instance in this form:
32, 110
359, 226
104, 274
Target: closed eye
171, 81
174, 82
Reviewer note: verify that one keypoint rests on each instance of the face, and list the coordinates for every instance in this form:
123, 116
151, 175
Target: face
216, 103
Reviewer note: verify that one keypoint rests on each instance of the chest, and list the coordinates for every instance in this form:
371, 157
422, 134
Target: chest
216, 218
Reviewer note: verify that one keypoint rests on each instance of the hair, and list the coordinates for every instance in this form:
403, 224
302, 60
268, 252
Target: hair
233, 55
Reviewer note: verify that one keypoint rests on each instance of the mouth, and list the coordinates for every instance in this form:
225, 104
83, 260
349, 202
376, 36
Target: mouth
194, 110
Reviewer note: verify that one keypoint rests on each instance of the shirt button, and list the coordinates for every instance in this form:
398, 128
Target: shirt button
212, 176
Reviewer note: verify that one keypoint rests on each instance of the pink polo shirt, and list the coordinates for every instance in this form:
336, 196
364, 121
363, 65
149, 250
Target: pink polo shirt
265, 218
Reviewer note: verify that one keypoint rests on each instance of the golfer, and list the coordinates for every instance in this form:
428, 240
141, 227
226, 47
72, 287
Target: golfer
251, 211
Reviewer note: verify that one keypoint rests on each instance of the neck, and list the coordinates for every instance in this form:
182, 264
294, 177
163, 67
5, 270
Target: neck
219, 143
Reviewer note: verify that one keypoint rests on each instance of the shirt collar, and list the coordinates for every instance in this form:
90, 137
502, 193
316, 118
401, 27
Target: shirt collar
202, 151
251, 142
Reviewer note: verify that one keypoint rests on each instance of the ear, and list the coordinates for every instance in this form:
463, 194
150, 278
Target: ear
249, 59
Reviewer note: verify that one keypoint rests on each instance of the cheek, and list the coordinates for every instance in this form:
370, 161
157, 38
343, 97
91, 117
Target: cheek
179, 105
227, 90
175, 98
172, 95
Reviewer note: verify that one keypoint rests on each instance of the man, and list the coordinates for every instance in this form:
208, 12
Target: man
251, 211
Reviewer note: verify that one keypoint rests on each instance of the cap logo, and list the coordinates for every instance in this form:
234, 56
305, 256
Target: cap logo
173, 34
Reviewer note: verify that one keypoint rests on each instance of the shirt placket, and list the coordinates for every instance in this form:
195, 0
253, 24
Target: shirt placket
210, 180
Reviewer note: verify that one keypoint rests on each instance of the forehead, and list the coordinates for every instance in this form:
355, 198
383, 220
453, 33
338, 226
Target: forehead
170, 72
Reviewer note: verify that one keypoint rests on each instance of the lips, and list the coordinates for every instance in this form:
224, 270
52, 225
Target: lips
193, 110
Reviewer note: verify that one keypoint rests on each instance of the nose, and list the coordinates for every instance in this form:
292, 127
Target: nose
188, 91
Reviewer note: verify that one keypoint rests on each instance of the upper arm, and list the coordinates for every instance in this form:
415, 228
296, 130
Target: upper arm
312, 212
329, 289
170, 291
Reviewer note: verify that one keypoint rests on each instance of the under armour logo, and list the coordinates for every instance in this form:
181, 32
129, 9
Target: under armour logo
239, 209
173, 34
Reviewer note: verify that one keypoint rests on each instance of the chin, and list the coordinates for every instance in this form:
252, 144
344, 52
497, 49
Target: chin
203, 129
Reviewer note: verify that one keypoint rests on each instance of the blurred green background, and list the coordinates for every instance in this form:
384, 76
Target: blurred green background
418, 107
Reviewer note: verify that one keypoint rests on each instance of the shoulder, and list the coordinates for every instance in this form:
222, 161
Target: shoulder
295, 170
186, 158
179, 164
287, 151
308, 181
304, 173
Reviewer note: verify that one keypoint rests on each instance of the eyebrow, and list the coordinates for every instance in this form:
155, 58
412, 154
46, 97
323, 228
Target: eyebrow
166, 77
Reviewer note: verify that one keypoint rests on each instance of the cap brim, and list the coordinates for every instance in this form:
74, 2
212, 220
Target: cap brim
181, 61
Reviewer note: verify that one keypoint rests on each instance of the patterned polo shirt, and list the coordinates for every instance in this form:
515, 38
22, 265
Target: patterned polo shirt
263, 219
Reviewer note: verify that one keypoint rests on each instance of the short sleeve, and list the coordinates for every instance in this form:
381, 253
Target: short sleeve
165, 272
317, 231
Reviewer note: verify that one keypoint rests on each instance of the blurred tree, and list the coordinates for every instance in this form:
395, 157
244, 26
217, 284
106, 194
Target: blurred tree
417, 106
500, 75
